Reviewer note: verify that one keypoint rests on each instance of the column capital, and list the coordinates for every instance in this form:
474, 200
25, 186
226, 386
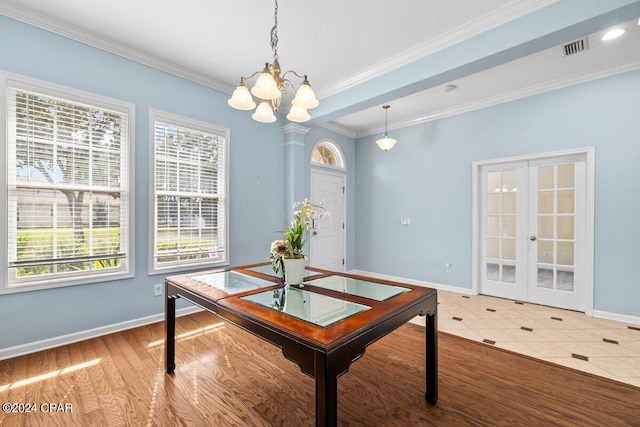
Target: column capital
295, 128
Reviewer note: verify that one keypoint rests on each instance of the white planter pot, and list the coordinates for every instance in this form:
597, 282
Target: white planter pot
294, 270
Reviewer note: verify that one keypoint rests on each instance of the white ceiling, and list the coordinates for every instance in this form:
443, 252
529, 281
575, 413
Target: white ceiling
337, 43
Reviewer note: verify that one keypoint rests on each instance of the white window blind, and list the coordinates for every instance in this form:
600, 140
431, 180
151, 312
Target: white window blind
67, 189
190, 226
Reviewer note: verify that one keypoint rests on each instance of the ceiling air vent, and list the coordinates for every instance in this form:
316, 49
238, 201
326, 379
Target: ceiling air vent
575, 47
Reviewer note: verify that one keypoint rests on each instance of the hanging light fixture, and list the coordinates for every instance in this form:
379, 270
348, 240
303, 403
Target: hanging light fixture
385, 142
270, 86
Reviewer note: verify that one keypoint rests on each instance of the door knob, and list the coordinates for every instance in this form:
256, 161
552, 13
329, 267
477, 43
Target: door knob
532, 238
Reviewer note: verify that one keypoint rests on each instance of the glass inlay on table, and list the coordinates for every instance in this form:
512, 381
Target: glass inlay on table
232, 282
357, 287
311, 307
268, 270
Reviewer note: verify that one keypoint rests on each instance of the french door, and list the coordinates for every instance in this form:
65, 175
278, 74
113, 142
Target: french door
533, 231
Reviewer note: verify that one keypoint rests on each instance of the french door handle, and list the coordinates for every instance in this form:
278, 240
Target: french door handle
532, 238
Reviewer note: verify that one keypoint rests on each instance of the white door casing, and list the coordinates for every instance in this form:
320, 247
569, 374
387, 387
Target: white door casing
327, 240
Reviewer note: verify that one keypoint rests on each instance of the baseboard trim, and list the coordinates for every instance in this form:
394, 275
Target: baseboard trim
413, 282
34, 347
624, 318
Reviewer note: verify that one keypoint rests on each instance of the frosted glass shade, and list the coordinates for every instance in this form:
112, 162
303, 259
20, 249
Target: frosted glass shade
241, 98
264, 113
386, 143
298, 114
305, 97
266, 87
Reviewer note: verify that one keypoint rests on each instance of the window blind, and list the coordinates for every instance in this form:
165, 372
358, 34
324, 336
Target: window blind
190, 223
67, 187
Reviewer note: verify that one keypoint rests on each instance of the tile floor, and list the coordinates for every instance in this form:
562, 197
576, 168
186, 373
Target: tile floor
603, 347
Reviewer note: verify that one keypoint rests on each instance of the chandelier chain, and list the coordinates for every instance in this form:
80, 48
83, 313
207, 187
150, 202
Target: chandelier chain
274, 34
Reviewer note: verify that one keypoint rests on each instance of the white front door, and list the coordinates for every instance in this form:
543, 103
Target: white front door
533, 231
327, 239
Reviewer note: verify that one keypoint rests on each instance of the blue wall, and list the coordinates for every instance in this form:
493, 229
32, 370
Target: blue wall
427, 177
256, 172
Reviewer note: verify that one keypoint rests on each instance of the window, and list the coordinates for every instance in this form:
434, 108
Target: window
190, 186
67, 186
327, 153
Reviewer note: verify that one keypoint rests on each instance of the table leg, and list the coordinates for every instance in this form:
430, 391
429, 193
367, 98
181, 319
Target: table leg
170, 329
431, 338
326, 393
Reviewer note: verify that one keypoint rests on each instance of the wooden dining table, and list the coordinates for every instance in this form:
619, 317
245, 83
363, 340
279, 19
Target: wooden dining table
323, 325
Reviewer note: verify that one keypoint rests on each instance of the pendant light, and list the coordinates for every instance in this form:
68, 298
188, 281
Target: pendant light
385, 143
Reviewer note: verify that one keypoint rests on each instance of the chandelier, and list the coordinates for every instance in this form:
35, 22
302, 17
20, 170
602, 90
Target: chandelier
386, 143
270, 86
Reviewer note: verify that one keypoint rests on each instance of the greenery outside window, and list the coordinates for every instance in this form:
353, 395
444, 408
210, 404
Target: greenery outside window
67, 186
189, 223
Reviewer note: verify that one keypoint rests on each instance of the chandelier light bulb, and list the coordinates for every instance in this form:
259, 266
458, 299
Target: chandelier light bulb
264, 113
305, 97
298, 114
241, 98
266, 86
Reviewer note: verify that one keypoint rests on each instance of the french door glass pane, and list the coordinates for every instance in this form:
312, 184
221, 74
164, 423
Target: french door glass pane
509, 273
509, 203
545, 251
545, 178
493, 203
566, 202
494, 182
509, 226
545, 278
545, 227
509, 181
566, 176
545, 202
509, 249
565, 281
565, 227
565, 253
493, 271
493, 248
493, 226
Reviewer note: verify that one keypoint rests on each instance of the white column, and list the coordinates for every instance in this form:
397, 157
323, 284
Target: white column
294, 164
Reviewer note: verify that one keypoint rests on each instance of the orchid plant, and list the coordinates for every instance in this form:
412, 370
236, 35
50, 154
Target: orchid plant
304, 218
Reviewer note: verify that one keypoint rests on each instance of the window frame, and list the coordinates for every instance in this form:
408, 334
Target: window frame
9, 284
337, 153
180, 121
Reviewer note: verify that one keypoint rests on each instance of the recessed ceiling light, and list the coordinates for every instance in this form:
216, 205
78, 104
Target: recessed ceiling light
613, 34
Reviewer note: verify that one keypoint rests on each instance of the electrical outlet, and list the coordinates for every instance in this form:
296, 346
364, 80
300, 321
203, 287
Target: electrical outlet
157, 290
448, 267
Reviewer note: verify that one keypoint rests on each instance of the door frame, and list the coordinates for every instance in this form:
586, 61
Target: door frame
314, 170
476, 226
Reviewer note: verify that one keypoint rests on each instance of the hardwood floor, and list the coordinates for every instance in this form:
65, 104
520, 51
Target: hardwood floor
226, 377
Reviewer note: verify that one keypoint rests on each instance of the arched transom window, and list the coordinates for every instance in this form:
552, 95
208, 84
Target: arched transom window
327, 153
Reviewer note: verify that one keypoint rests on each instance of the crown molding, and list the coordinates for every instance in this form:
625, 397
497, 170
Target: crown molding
513, 95
334, 127
473, 28
39, 20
